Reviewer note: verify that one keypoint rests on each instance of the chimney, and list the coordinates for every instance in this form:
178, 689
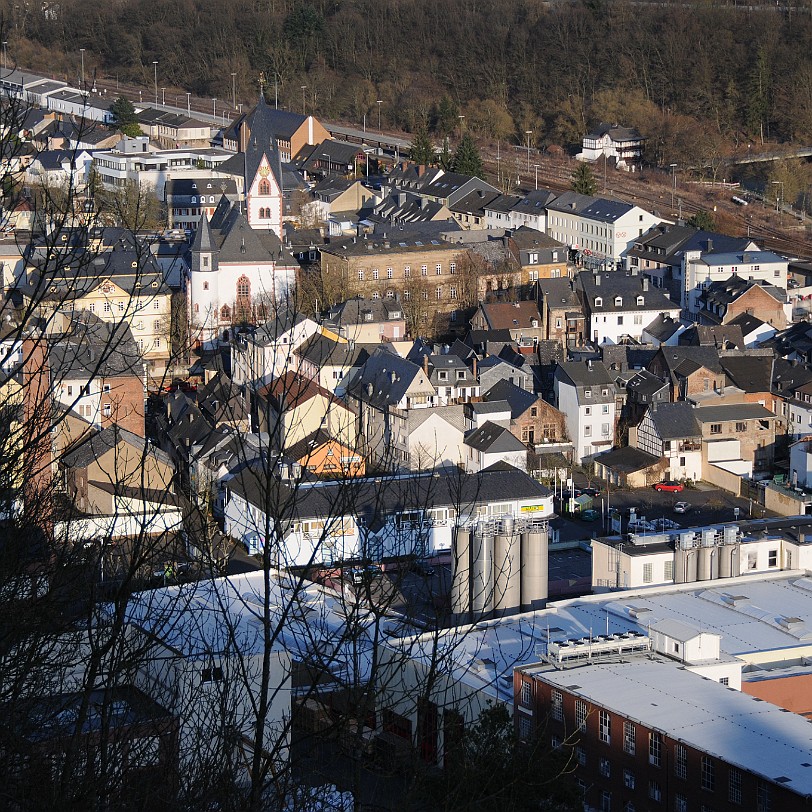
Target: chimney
710, 245
474, 367
393, 376
598, 279
426, 364
645, 284
401, 199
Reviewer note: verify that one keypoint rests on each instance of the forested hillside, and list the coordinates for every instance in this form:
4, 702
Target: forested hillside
507, 66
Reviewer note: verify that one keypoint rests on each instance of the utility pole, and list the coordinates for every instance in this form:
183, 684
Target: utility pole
81, 51
304, 103
233, 89
528, 133
155, 69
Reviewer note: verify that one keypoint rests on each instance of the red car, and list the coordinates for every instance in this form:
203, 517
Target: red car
670, 486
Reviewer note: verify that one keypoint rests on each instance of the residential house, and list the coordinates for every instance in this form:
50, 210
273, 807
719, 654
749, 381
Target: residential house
663, 331
562, 315
533, 421
59, 169
477, 413
722, 301
115, 470
719, 336
800, 463
754, 330
670, 431
333, 194
585, 394
538, 255
293, 407
600, 230
449, 188
786, 377
331, 363
624, 144
367, 321
629, 467
451, 378
644, 388
492, 369
189, 199
521, 319
223, 403
330, 158
490, 444
689, 370
326, 457
431, 438
618, 307
174, 129
513, 212
469, 211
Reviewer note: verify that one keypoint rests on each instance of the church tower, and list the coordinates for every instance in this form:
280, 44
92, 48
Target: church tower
263, 173
203, 296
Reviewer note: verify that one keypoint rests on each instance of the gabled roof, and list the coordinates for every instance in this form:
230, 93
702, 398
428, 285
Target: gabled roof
627, 459
663, 327
385, 378
321, 350
587, 373
262, 142
511, 315
684, 360
292, 390
646, 383
359, 310
674, 421
787, 376
615, 132
750, 373
607, 287
735, 411
519, 400
719, 336
491, 438
98, 444
747, 322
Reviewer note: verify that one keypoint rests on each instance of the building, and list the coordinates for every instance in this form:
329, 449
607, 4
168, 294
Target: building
719, 303
492, 443
173, 130
521, 319
671, 431
562, 314
533, 421
618, 307
367, 320
189, 199
585, 394
624, 144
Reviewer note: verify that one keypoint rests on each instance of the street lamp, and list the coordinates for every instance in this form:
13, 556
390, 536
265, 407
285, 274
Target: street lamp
163, 96
304, 103
379, 103
155, 68
214, 109
536, 167
462, 123
81, 51
233, 89
528, 133
188, 103
673, 168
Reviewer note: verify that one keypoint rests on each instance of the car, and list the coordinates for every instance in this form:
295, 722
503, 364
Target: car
670, 486
682, 507
641, 526
593, 492
589, 515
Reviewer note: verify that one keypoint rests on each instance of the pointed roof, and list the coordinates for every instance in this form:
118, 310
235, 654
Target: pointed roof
203, 242
262, 142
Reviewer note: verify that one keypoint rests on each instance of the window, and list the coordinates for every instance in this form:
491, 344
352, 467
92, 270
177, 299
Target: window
648, 574
580, 755
587, 431
605, 767
439, 293
375, 274
92, 307
120, 307
525, 727
524, 696
628, 779
598, 301
639, 300
638, 319
763, 797
264, 187
452, 267
407, 272
654, 747
716, 428
604, 727
389, 273
557, 706
205, 286
452, 292
629, 731
534, 412
107, 307
772, 558
629, 807
619, 321
605, 408
708, 776
360, 276
741, 427
424, 270
668, 571
439, 269
734, 786
588, 411
587, 393
212, 674
106, 410
580, 714
680, 761
407, 295
106, 387
156, 305
606, 801
654, 791
680, 803
618, 301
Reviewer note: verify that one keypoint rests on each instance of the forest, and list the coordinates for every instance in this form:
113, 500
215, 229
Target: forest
697, 79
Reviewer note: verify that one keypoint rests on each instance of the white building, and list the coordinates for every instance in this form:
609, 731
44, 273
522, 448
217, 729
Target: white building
670, 430
370, 519
624, 144
600, 230
585, 393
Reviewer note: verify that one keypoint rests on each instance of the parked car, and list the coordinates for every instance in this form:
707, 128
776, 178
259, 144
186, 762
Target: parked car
682, 507
593, 492
589, 515
670, 486
641, 526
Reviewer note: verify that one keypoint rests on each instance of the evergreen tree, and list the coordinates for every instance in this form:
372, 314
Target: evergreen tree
583, 181
445, 158
125, 117
422, 150
466, 159
446, 116
703, 220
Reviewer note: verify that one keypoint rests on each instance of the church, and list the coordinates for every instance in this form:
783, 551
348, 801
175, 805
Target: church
238, 267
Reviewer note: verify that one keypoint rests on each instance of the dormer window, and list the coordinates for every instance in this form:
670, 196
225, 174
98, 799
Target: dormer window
598, 301
640, 300
194, 199
618, 301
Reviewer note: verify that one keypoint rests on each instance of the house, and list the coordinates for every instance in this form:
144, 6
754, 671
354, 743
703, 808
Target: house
451, 378
334, 194
800, 463
223, 403
700, 269
670, 431
266, 351
719, 336
689, 370
480, 412
491, 443
469, 211
799, 415
60, 169
663, 331
375, 518
624, 144
367, 320
585, 394
493, 368
562, 315
533, 421
754, 330
331, 363
629, 467
189, 199
722, 301
292, 131
398, 207
330, 158
292, 407
449, 188
521, 319
174, 129
644, 389
598, 229
538, 255
115, 471
617, 306
431, 438
326, 457
514, 212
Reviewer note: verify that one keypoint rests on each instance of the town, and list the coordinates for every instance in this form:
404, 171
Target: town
330, 465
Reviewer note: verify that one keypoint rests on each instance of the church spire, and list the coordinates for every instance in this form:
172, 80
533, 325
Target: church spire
203, 242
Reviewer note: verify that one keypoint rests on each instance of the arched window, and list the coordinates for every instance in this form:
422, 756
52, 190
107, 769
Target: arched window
264, 187
225, 313
598, 301
243, 289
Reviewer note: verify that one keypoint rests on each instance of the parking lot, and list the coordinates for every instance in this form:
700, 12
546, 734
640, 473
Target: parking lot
708, 506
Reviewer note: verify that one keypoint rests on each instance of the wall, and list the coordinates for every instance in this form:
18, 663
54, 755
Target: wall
791, 692
783, 502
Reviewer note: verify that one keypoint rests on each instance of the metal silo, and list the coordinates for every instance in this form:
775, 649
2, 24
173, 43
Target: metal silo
507, 570
482, 571
534, 569
460, 574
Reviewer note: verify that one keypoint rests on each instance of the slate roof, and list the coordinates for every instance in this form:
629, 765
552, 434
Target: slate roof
103, 441
675, 421
474, 202
373, 499
307, 445
359, 310
682, 358
519, 400
750, 373
628, 288
534, 202
529, 238
646, 383
491, 438
180, 190
558, 293
322, 350
737, 411
582, 373
663, 327
454, 415
615, 132
748, 323
385, 379
788, 376
265, 125
283, 122
718, 336
627, 460
339, 153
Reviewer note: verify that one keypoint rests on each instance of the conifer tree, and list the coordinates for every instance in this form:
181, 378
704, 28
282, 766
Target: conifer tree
583, 181
467, 160
422, 150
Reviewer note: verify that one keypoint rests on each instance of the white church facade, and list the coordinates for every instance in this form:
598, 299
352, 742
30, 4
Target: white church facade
239, 269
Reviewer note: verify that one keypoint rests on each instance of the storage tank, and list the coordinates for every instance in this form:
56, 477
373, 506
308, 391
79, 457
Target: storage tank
460, 574
705, 565
692, 566
680, 565
534, 569
481, 572
507, 571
